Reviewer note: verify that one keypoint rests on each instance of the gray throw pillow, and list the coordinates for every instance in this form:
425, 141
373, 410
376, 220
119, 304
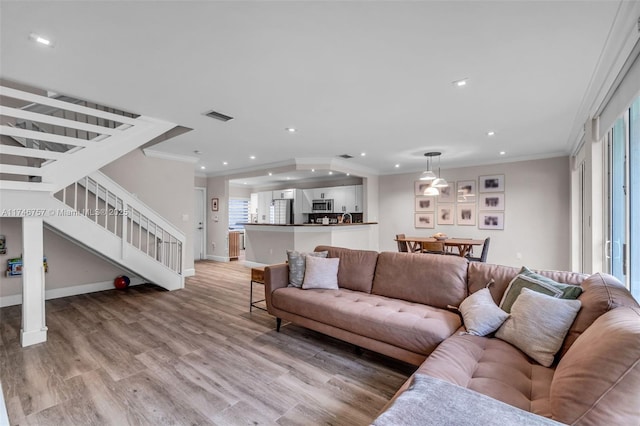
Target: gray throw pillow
538, 324
533, 282
480, 314
297, 265
321, 273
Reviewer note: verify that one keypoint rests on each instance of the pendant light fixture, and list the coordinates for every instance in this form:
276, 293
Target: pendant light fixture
428, 174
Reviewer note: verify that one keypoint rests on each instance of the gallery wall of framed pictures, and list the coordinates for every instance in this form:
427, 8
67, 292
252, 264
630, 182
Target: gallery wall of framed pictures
478, 203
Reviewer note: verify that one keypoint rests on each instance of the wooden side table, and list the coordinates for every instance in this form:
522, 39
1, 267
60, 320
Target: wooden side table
257, 276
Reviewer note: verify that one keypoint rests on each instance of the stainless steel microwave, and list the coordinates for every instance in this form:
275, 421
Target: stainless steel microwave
322, 206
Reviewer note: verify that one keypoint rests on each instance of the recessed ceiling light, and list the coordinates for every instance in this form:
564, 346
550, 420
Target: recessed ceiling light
362, 154
461, 83
270, 174
348, 174
290, 129
202, 167
288, 178
503, 152
40, 39
253, 157
244, 183
330, 172
491, 133
224, 163
313, 170
396, 166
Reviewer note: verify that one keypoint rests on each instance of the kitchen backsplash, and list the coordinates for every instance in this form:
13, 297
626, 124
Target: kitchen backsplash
333, 217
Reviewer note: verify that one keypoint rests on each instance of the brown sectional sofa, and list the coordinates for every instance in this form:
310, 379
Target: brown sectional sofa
396, 304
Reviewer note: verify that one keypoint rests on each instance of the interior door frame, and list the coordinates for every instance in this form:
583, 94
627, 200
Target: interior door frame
202, 191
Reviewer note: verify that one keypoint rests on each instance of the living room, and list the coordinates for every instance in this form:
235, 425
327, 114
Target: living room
335, 60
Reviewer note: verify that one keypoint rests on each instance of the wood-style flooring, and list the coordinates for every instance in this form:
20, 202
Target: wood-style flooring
145, 356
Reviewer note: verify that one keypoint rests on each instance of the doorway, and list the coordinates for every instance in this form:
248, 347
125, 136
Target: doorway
200, 223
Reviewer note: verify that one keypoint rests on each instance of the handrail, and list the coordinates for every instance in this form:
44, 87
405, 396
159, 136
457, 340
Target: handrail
111, 207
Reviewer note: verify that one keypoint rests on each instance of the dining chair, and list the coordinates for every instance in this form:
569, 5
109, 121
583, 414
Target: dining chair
403, 246
483, 255
433, 248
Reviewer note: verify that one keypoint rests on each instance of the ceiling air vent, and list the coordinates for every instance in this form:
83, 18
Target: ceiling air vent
345, 156
218, 116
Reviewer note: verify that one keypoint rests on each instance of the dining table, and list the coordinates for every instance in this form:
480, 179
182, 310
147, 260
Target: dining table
464, 245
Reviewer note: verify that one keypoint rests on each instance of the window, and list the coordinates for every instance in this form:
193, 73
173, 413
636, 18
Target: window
238, 213
623, 239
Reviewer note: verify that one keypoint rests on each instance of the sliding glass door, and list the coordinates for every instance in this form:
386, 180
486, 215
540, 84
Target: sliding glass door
623, 239
634, 198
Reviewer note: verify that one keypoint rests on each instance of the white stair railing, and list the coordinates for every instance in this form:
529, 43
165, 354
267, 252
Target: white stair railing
85, 139
108, 205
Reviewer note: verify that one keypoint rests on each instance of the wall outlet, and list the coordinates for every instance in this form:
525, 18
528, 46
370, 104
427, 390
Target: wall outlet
213, 245
519, 256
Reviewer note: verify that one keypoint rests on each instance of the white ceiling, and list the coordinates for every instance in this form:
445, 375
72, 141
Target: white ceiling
352, 77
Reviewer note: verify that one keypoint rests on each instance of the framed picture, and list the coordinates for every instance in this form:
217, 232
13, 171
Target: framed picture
466, 190
493, 183
446, 194
425, 220
466, 214
214, 204
425, 204
445, 214
491, 220
420, 186
492, 201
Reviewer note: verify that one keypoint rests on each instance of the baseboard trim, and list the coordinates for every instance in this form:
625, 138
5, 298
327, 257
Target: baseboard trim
218, 258
254, 264
56, 293
189, 272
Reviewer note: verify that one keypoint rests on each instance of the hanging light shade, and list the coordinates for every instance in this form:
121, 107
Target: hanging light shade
428, 175
431, 190
439, 183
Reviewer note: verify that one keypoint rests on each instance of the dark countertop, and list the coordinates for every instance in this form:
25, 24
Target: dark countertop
313, 224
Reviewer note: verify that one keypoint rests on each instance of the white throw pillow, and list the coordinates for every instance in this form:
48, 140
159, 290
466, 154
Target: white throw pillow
321, 273
538, 324
480, 313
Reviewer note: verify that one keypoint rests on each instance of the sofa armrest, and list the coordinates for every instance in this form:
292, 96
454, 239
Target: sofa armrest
275, 277
431, 401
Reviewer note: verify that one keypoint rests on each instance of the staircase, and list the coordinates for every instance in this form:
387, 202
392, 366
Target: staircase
49, 169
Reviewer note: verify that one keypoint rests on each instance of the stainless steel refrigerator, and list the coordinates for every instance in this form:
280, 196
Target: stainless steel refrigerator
281, 212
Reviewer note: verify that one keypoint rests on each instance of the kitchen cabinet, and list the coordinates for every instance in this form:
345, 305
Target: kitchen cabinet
359, 199
346, 199
264, 203
288, 194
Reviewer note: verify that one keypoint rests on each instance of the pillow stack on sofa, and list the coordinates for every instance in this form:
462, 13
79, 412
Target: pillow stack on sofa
534, 315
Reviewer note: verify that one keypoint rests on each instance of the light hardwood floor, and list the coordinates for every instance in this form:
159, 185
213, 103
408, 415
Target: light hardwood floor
145, 356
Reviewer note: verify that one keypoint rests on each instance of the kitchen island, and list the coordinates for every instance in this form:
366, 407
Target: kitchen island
268, 244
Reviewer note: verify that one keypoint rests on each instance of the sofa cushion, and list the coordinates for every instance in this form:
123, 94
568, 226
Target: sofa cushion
414, 327
357, 267
480, 314
600, 294
449, 404
492, 367
545, 286
297, 265
429, 279
321, 273
597, 380
481, 273
538, 324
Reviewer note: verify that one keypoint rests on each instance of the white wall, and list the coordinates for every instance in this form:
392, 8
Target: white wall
537, 212
218, 222
164, 185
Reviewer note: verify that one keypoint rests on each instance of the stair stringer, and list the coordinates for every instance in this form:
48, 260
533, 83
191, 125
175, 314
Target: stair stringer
86, 233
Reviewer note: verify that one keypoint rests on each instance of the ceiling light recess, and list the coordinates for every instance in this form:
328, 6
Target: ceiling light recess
41, 39
461, 83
